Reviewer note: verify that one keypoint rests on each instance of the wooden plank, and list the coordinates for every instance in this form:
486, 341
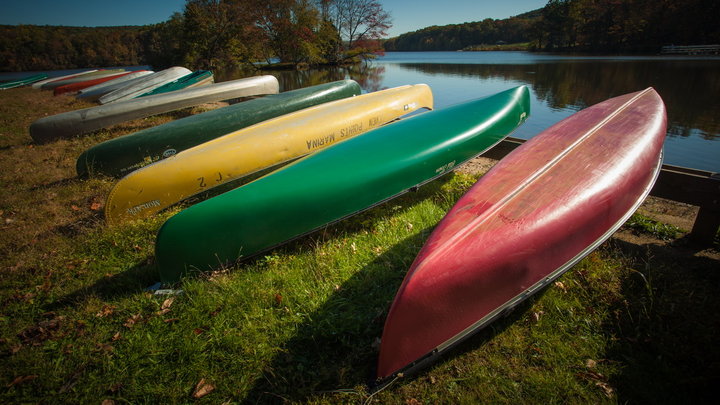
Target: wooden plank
681, 184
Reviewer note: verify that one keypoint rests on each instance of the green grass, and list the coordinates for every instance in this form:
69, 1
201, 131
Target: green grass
643, 224
301, 323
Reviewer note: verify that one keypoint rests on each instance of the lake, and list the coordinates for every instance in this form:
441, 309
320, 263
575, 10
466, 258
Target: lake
560, 85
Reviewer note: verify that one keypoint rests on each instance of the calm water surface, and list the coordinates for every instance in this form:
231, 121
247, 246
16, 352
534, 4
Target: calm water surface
559, 85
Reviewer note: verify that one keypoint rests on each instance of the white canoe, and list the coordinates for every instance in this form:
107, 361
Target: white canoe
144, 85
93, 92
81, 78
39, 84
77, 122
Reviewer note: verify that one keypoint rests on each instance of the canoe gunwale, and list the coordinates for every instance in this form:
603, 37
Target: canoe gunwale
510, 305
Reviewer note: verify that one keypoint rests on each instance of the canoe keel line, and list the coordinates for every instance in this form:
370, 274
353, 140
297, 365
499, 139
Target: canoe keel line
534, 215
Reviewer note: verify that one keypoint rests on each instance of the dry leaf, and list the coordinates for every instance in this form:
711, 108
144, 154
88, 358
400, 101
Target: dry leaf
75, 207
107, 402
116, 337
560, 285
171, 320
609, 391
590, 363
167, 303
132, 321
106, 310
96, 206
202, 388
278, 299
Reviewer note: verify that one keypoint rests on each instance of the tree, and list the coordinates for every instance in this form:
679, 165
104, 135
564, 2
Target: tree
361, 24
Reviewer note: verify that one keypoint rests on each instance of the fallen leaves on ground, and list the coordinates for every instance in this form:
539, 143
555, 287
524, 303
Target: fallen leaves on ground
202, 388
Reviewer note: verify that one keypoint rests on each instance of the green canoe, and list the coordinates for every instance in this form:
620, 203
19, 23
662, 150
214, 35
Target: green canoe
196, 78
334, 183
120, 156
22, 82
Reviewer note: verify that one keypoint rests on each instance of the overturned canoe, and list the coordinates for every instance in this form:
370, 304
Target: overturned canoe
334, 183
81, 78
194, 79
75, 87
96, 91
530, 218
261, 147
22, 82
120, 156
39, 84
77, 122
147, 83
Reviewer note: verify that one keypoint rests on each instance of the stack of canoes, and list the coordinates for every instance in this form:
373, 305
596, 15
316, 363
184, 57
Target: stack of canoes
236, 156
23, 81
41, 83
77, 122
52, 85
194, 79
287, 164
75, 87
144, 85
118, 157
98, 90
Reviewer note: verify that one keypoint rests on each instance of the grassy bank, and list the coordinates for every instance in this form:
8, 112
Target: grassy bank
633, 322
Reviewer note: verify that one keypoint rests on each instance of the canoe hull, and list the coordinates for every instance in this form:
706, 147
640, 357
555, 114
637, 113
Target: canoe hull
194, 79
233, 157
120, 156
147, 83
95, 92
530, 218
38, 85
334, 183
74, 87
78, 122
81, 77
23, 82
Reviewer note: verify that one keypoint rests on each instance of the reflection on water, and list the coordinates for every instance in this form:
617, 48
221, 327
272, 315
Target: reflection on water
561, 85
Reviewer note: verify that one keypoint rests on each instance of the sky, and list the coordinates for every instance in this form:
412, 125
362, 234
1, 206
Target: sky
408, 15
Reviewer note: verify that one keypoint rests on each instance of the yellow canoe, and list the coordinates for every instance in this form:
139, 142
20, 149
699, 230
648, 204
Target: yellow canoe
257, 148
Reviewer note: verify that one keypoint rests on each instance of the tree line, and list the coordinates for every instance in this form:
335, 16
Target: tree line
214, 34
29, 47
455, 37
209, 34
581, 25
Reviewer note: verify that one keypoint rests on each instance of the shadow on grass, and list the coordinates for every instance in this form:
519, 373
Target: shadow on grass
337, 350
666, 329
123, 284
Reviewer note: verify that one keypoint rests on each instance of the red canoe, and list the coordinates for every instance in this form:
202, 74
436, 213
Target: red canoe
73, 87
535, 214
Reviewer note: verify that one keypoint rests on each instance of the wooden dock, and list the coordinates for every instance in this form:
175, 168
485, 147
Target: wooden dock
690, 186
690, 50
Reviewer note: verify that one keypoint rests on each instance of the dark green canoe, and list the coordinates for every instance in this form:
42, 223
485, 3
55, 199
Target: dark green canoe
120, 156
334, 183
186, 81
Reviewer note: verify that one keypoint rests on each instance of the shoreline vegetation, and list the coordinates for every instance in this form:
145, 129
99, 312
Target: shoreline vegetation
632, 322
254, 34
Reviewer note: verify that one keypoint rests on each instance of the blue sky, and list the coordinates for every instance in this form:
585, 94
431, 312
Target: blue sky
407, 15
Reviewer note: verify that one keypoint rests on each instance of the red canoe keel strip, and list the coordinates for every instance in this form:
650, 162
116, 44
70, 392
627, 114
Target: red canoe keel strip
535, 214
